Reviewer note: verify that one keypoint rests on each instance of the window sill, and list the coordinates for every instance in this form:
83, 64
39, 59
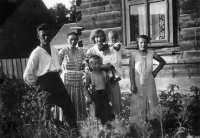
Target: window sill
152, 45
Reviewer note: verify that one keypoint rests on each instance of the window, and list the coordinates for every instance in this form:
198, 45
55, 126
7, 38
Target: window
148, 17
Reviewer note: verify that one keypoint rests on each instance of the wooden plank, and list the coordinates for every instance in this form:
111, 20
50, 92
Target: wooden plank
15, 68
99, 3
113, 7
27, 60
1, 69
9, 67
5, 71
184, 84
190, 31
115, 1
93, 10
84, 6
190, 23
19, 69
185, 17
103, 24
23, 61
101, 16
171, 71
161, 83
173, 59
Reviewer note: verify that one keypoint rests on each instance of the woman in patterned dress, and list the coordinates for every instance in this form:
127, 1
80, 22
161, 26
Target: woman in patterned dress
72, 64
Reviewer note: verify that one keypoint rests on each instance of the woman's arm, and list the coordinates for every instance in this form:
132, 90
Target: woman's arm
61, 56
107, 67
161, 61
132, 73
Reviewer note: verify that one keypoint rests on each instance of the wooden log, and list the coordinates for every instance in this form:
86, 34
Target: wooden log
101, 16
185, 17
190, 23
184, 84
190, 47
191, 54
93, 10
85, 1
113, 7
15, 68
190, 31
115, 1
84, 6
103, 24
9, 67
86, 33
100, 3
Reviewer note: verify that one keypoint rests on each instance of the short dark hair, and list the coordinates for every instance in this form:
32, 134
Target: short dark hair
94, 33
43, 26
144, 37
72, 33
94, 57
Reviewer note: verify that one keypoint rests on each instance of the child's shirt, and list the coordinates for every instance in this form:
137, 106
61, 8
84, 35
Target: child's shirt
115, 57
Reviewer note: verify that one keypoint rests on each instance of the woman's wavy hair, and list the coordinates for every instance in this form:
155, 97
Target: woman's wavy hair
94, 33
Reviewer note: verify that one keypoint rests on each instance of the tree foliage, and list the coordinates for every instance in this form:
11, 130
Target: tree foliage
62, 15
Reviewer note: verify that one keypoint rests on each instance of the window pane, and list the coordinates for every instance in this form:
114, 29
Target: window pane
137, 21
157, 21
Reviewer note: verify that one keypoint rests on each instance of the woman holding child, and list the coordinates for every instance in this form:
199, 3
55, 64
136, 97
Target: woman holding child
142, 75
98, 37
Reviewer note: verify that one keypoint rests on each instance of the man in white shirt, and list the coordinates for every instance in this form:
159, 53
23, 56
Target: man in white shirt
43, 71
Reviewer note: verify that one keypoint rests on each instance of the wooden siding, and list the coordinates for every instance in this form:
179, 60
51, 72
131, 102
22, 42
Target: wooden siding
105, 14
13, 67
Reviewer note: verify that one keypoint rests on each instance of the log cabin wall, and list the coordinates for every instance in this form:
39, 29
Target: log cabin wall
183, 58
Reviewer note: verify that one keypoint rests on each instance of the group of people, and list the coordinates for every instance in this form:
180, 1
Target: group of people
58, 75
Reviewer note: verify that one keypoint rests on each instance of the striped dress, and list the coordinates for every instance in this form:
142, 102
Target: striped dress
72, 72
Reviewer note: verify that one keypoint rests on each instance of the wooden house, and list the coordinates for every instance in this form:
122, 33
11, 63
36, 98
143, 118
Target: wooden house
173, 26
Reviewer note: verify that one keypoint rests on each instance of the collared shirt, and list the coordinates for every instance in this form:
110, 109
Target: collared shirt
40, 62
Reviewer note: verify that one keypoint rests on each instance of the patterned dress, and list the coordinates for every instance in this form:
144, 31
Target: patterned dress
145, 99
72, 73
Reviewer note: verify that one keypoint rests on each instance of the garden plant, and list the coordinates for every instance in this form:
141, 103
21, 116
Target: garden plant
177, 116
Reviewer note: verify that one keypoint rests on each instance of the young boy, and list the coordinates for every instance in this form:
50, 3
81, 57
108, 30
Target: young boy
96, 90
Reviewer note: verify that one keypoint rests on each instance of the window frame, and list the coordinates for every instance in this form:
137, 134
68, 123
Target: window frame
126, 22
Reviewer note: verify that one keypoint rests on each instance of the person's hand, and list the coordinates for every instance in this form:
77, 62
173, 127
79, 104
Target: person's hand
88, 99
154, 73
133, 89
117, 47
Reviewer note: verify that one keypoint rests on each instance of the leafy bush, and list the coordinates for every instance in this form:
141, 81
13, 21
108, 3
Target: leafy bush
179, 112
20, 114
